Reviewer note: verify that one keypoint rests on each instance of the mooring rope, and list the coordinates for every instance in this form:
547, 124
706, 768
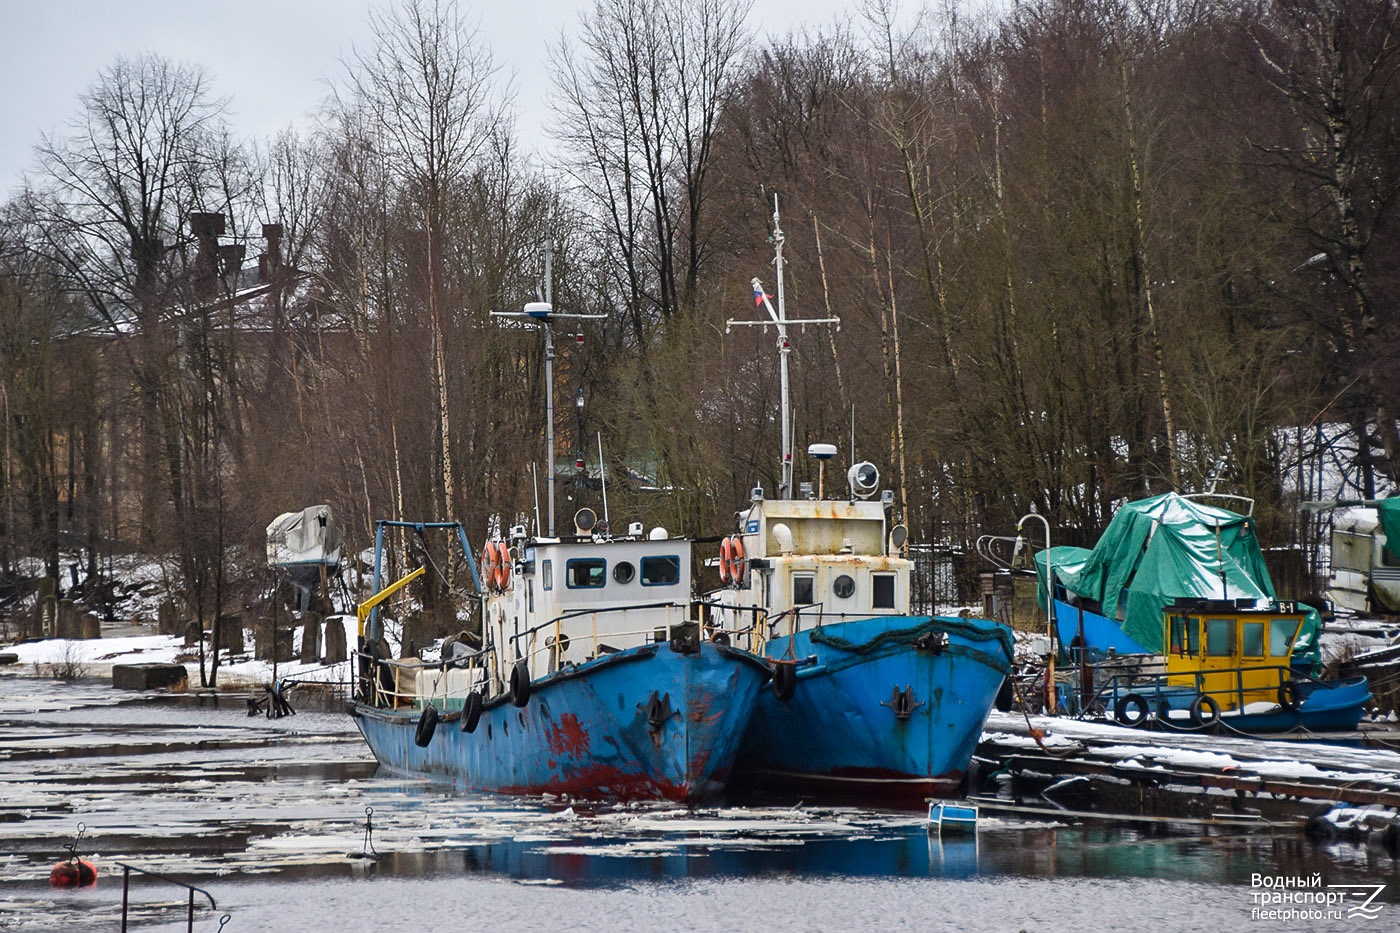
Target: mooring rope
913, 634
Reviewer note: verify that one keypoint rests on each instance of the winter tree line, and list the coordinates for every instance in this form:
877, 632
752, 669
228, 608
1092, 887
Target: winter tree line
1082, 251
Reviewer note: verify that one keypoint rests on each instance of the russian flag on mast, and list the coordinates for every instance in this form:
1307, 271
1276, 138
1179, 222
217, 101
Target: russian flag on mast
759, 294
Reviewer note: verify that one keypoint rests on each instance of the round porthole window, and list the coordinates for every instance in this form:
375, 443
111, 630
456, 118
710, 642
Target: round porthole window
624, 572
843, 586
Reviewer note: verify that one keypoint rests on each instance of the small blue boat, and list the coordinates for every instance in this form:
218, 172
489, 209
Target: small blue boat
867, 698
952, 816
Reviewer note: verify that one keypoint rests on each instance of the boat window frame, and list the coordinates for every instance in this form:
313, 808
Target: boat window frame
1245, 639
849, 583
1185, 629
1212, 625
547, 575
624, 572
1294, 625
645, 578
1176, 634
878, 581
808, 579
602, 572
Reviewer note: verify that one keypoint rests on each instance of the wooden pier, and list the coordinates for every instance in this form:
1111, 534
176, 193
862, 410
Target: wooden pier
1067, 766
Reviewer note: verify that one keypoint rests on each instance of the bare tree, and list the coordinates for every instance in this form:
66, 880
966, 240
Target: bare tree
427, 86
1336, 63
116, 190
640, 104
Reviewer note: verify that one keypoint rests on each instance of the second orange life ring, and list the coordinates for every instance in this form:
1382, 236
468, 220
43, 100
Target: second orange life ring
737, 563
503, 565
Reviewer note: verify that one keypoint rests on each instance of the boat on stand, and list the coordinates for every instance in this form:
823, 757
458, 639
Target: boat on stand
867, 698
591, 675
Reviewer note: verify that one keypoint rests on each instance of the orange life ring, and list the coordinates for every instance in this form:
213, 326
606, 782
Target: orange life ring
726, 571
737, 563
493, 566
503, 569
488, 575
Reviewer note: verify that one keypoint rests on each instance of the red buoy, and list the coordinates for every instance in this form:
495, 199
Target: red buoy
74, 873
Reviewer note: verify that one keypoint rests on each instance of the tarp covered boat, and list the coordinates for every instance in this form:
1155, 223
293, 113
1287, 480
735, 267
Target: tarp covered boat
1153, 552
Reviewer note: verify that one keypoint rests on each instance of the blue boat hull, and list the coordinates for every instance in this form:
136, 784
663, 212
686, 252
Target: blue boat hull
1101, 634
1323, 706
652, 722
884, 713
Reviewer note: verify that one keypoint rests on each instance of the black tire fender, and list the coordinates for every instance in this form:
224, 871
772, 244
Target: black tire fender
427, 725
1204, 710
784, 680
471, 712
1130, 710
520, 683
1288, 695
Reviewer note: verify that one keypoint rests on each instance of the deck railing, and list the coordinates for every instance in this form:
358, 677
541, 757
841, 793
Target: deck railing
561, 642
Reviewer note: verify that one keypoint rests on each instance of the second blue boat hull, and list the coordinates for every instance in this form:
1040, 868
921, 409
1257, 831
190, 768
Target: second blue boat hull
654, 722
1323, 706
891, 708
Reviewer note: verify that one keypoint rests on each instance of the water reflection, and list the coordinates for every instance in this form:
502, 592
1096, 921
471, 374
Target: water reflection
273, 812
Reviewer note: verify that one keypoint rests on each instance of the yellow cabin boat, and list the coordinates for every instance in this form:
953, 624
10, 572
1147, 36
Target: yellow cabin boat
1228, 664
1234, 655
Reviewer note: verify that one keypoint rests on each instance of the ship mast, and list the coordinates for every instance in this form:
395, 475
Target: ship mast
779, 320
542, 314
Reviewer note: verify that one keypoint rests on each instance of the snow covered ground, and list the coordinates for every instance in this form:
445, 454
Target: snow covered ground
95, 657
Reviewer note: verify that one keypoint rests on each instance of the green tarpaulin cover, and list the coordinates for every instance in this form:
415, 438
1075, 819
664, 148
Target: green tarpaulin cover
1389, 510
1158, 549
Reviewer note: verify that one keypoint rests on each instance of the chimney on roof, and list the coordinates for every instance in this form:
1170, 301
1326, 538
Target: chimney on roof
230, 262
206, 227
270, 262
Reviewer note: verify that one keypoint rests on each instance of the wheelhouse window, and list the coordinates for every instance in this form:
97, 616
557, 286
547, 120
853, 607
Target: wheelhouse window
624, 572
844, 586
1185, 635
547, 574
1220, 638
586, 573
882, 591
661, 571
1253, 643
803, 589
1281, 635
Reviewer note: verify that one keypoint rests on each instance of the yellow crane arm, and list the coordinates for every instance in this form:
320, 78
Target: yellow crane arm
366, 607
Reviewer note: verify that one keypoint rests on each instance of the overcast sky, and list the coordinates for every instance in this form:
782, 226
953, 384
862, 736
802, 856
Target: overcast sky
271, 58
